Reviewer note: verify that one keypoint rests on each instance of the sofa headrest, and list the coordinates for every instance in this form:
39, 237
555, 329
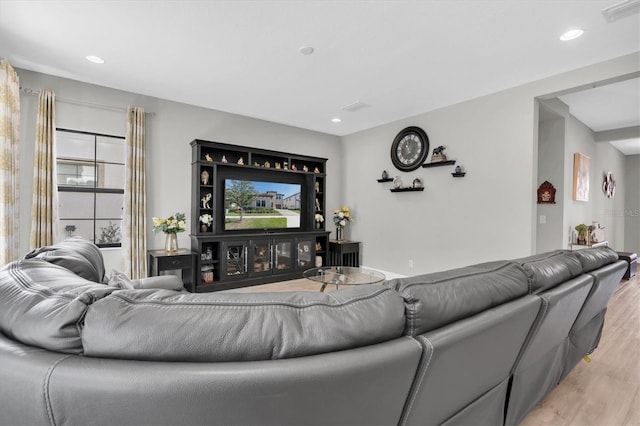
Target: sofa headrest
169, 326
547, 270
434, 300
76, 254
44, 305
594, 258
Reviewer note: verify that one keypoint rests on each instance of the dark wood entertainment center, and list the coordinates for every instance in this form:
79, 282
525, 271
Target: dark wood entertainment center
234, 250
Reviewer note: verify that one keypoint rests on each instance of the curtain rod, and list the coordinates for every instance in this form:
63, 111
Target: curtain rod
29, 91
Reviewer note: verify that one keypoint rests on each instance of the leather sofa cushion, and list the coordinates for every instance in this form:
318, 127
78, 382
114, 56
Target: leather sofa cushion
434, 300
44, 305
76, 254
548, 270
595, 258
169, 326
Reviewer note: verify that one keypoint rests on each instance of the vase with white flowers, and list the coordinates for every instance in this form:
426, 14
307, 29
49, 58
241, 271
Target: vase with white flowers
171, 226
340, 218
319, 220
205, 222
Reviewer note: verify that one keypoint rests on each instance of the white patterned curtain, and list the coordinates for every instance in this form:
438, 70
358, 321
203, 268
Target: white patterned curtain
9, 163
135, 195
44, 206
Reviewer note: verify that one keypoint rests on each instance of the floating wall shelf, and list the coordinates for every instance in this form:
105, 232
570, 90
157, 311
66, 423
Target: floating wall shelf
406, 189
439, 163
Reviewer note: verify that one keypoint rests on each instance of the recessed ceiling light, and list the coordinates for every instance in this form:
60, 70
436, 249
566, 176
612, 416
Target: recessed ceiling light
306, 50
336, 120
95, 59
571, 34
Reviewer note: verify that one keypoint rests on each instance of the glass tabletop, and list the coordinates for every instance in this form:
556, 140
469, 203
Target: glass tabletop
343, 275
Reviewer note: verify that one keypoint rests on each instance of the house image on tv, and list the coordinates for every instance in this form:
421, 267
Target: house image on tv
293, 202
269, 199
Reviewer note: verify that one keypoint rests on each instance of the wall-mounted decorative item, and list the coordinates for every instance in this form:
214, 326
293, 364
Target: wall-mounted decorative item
409, 149
385, 177
438, 154
417, 183
609, 185
581, 166
546, 193
459, 172
397, 182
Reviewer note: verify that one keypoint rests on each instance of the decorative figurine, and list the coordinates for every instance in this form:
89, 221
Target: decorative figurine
208, 157
204, 177
316, 170
417, 183
305, 168
385, 175
318, 205
317, 187
438, 155
397, 182
293, 167
205, 201
224, 159
278, 166
285, 166
268, 164
240, 162
256, 164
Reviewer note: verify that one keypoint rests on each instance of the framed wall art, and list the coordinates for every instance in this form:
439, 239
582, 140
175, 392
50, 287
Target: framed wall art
581, 166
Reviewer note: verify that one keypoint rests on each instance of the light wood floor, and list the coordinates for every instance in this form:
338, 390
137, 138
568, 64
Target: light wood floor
604, 392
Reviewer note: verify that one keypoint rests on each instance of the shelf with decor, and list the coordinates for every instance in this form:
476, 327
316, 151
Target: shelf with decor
409, 189
439, 163
236, 192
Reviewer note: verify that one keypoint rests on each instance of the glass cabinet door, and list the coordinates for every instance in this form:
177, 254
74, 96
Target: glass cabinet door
261, 255
236, 259
283, 256
306, 257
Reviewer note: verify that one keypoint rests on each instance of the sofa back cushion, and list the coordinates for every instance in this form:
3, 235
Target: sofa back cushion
169, 326
595, 258
44, 305
76, 254
548, 270
437, 299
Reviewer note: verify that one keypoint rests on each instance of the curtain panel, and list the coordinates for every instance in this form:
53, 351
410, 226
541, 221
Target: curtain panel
9, 163
135, 204
44, 205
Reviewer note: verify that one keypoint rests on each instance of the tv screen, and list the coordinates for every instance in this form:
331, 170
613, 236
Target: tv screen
255, 204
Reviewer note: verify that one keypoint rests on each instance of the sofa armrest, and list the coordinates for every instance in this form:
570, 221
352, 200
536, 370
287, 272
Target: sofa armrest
166, 282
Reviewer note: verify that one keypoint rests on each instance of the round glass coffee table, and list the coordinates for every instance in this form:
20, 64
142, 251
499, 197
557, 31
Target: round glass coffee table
343, 275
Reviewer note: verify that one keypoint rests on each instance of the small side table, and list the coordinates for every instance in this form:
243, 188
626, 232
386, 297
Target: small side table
344, 253
183, 260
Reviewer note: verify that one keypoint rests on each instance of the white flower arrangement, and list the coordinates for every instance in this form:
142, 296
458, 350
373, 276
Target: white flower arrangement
171, 225
207, 219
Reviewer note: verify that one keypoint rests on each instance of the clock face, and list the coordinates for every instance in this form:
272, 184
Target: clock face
409, 149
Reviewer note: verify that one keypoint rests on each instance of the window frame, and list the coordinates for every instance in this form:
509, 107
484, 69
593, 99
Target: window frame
94, 189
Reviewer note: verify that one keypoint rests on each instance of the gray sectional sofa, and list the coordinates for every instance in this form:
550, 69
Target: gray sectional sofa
476, 345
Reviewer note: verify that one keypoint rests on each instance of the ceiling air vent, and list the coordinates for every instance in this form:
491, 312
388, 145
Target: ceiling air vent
621, 10
357, 105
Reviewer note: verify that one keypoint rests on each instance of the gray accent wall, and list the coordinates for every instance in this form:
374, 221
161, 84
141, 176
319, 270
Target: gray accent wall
631, 212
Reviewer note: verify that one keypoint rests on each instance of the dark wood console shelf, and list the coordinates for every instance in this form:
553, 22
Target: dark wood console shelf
439, 163
406, 189
271, 235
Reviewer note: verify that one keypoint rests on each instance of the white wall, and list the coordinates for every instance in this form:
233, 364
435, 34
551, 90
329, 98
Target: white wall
490, 213
168, 153
549, 235
631, 212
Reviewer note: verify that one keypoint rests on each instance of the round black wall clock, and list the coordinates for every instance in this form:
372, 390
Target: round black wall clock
409, 149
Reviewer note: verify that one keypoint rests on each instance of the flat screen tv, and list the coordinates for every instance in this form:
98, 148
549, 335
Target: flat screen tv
262, 205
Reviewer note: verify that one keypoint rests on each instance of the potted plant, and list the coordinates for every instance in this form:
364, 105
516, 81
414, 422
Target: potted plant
583, 232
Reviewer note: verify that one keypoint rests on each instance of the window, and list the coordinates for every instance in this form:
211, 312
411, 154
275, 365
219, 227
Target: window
91, 178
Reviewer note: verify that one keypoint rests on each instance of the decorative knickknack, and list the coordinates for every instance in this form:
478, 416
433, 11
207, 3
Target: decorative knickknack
546, 193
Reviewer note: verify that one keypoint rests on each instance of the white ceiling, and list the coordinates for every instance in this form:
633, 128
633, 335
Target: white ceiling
401, 57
